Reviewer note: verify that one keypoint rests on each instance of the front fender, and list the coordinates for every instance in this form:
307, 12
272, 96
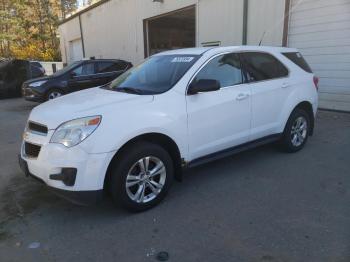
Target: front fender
164, 116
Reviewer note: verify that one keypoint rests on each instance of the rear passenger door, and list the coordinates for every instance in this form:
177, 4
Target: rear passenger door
109, 70
270, 88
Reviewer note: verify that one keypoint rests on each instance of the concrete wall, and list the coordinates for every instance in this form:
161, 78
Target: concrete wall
68, 31
265, 16
48, 67
115, 28
220, 20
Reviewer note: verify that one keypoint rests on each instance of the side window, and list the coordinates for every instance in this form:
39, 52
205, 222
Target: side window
225, 68
262, 66
105, 67
36, 72
299, 60
85, 69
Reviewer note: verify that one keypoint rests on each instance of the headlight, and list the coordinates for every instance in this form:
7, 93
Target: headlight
39, 83
75, 131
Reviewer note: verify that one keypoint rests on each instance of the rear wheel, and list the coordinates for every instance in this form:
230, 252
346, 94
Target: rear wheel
141, 176
296, 132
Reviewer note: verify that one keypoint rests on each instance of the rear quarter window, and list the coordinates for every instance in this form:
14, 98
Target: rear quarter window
262, 66
299, 60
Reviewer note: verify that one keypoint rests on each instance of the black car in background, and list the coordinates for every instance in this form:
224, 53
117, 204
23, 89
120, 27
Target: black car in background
76, 76
13, 72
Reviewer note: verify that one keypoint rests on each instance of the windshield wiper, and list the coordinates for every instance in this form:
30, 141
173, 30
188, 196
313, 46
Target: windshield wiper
130, 90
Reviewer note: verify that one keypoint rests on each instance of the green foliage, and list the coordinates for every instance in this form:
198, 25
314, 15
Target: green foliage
28, 28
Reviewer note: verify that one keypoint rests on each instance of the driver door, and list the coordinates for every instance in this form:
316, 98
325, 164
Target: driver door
82, 77
220, 119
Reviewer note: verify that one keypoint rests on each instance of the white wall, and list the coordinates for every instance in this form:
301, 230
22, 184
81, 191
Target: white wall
220, 20
68, 31
48, 67
265, 16
115, 28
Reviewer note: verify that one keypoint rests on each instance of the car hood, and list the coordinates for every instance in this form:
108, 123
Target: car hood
38, 79
94, 101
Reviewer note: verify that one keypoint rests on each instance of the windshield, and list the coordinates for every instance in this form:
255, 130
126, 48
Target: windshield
156, 75
66, 69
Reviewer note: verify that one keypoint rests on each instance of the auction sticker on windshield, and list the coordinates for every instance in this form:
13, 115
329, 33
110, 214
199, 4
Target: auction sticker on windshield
182, 59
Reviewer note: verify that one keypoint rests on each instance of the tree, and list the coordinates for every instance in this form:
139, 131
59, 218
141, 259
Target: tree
28, 28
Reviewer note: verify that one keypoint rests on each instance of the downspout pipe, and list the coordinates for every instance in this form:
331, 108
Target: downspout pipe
245, 22
81, 36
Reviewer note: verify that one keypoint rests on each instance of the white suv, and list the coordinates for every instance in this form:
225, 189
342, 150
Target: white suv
178, 109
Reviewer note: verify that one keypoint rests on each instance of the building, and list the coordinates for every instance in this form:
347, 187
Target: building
135, 29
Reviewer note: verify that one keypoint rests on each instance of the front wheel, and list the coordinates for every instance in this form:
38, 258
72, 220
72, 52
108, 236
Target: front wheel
296, 131
141, 176
53, 94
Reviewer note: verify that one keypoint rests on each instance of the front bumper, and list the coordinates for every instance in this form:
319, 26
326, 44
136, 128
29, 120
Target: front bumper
54, 159
31, 95
76, 197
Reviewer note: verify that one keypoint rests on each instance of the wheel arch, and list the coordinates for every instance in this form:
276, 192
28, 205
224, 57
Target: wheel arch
157, 138
54, 88
307, 107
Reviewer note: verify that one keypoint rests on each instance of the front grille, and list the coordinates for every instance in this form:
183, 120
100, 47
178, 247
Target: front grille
31, 150
37, 128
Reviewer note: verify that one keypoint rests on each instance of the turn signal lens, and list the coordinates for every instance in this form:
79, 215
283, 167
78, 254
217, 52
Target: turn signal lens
94, 122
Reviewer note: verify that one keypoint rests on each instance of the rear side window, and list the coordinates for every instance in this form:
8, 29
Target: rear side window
36, 72
299, 60
36, 64
105, 67
262, 66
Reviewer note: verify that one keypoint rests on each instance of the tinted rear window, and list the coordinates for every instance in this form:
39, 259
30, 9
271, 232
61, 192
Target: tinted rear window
263, 66
36, 64
105, 67
299, 60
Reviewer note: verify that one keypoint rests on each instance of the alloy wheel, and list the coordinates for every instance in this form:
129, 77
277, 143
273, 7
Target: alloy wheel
54, 95
299, 131
145, 179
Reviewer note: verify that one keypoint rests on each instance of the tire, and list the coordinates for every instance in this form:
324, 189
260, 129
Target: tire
53, 93
295, 134
128, 168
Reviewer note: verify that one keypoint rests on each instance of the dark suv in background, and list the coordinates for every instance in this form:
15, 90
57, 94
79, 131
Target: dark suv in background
76, 76
13, 72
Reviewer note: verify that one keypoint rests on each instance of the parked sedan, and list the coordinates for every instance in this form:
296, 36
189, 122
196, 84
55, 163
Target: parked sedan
77, 76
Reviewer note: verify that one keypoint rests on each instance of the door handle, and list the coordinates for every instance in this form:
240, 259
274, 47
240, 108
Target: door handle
285, 85
242, 96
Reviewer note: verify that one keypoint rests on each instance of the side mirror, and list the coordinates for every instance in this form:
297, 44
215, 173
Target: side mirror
203, 85
72, 74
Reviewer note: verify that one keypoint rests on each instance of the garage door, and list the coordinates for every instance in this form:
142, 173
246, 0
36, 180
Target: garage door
75, 50
321, 31
170, 31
